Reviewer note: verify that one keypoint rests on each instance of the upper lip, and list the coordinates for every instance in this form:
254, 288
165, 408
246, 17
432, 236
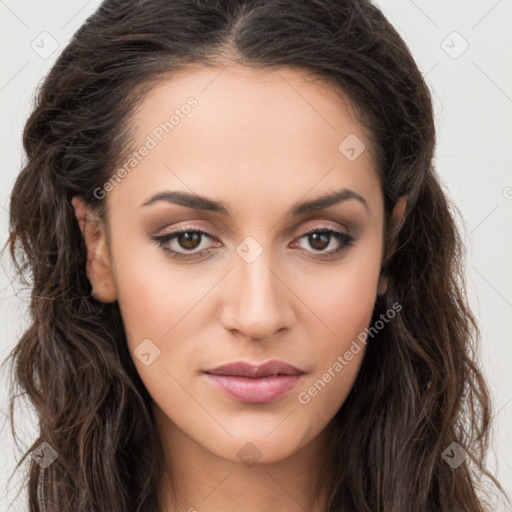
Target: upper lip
244, 369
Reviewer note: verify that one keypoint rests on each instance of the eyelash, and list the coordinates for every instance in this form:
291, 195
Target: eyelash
346, 239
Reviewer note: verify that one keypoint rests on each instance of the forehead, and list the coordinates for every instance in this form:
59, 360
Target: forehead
277, 132
237, 96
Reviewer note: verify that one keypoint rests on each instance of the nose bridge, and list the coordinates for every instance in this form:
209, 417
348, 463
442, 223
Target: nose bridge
257, 303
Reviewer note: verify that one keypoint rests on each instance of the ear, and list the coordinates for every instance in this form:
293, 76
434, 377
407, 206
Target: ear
397, 220
98, 267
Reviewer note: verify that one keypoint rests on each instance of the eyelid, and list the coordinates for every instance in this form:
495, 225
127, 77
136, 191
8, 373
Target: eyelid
315, 227
187, 227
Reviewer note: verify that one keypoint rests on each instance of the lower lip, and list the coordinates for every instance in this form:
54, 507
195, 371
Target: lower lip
260, 390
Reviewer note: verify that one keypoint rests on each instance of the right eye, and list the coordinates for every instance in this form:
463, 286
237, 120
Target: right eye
179, 244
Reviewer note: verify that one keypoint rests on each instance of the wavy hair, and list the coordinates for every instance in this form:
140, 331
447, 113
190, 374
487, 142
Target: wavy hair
419, 388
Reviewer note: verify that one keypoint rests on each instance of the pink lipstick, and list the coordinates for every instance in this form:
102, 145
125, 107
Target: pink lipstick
255, 384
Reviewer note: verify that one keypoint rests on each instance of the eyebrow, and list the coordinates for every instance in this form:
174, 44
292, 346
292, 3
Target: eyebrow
203, 203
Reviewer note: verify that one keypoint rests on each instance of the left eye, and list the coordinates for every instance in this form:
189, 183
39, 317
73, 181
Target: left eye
321, 239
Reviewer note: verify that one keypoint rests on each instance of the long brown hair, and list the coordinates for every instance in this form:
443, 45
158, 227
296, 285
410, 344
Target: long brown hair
419, 388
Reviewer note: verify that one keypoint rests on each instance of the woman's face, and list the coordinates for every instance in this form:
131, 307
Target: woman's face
250, 153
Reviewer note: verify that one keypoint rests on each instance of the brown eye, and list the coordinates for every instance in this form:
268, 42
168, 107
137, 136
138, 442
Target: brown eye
183, 243
320, 239
189, 240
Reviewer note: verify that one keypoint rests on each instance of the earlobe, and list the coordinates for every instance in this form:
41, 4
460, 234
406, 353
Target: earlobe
382, 287
98, 266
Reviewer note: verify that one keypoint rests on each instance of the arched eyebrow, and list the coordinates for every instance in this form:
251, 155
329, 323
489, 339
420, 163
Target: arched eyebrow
327, 200
198, 202
189, 200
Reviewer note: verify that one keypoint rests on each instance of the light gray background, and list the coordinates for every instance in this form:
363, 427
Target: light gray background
472, 90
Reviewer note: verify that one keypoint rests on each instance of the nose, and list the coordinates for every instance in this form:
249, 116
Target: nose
258, 300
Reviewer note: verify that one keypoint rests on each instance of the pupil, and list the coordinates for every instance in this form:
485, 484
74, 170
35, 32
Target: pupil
191, 240
315, 240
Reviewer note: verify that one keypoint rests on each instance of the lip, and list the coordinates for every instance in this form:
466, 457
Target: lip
255, 383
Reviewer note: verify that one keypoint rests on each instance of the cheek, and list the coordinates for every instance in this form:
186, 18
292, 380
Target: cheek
159, 309
343, 301
339, 352
342, 297
154, 294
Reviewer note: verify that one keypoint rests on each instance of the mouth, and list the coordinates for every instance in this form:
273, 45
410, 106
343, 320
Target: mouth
252, 383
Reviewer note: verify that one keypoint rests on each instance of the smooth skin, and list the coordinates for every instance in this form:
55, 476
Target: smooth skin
259, 142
